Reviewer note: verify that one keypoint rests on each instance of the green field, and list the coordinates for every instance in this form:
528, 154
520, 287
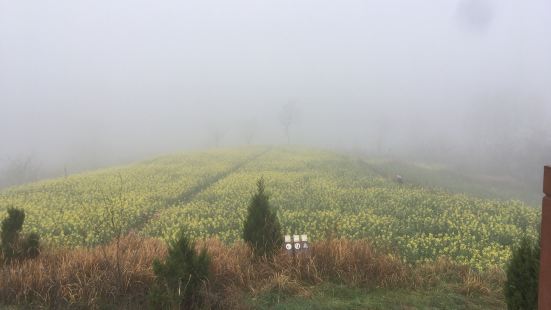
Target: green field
316, 192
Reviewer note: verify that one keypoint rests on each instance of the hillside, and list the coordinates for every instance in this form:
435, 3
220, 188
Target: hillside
317, 192
458, 181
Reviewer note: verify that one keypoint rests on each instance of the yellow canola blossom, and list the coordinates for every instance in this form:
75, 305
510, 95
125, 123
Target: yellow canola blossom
315, 192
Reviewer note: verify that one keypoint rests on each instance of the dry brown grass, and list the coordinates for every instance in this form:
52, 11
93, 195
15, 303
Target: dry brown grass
89, 278
82, 277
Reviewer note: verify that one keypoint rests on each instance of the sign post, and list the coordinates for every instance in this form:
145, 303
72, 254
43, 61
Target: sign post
288, 244
544, 290
296, 244
304, 241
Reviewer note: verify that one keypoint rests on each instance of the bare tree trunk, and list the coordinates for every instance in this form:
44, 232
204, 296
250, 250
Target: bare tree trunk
287, 134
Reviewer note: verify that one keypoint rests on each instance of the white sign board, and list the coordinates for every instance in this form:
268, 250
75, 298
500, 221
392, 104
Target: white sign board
296, 243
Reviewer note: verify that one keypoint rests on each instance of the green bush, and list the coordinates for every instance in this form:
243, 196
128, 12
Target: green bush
262, 231
521, 287
13, 245
11, 228
181, 276
30, 246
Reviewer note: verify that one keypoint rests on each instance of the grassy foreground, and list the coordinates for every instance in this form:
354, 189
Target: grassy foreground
337, 274
338, 296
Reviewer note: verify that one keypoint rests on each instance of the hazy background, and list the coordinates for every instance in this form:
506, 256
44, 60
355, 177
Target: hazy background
85, 84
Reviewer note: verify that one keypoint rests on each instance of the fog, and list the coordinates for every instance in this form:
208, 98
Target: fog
86, 84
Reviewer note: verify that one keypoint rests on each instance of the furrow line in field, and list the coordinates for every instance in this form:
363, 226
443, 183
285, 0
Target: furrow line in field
190, 194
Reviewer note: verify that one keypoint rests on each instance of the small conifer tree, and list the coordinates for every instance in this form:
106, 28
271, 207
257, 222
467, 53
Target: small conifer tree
181, 276
521, 287
262, 231
31, 246
13, 245
11, 228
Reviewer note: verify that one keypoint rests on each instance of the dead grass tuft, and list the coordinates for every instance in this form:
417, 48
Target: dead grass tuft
89, 278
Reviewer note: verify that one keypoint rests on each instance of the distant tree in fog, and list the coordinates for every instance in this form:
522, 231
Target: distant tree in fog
288, 117
249, 128
217, 135
381, 133
509, 135
18, 171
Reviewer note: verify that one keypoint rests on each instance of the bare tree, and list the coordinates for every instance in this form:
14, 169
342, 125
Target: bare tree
18, 171
249, 128
381, 130
215, 133
112, 224
287, 117
217, 136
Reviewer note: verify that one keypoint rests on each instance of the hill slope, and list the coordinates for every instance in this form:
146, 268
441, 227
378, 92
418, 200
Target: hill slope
458, 181
316, 192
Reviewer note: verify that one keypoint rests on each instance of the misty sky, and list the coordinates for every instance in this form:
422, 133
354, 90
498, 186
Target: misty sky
110, 80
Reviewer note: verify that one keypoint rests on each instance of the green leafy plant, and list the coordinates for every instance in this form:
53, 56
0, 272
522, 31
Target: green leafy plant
262, 231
